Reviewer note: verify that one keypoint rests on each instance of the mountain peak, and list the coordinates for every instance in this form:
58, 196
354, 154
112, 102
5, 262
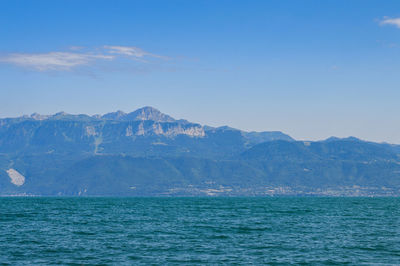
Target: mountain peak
37, 116
141, 114
62, 113
114, 115
149, 113
351, 138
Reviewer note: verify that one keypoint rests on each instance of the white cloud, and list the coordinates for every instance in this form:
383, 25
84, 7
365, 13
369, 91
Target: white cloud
76, 56
52, 60
390, 21
132, 51
126, 50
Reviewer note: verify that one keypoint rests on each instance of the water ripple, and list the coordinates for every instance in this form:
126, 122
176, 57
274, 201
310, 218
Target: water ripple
199, 231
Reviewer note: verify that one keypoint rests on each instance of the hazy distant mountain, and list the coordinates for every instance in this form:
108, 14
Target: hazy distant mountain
145, 113
146, 152
299, 151
143, 132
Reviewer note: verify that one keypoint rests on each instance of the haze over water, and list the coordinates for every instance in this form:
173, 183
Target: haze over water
199, 230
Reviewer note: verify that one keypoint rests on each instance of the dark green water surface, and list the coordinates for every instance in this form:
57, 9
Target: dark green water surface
199, 231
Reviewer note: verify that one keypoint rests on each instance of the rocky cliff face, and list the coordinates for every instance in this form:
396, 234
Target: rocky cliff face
135, 133
145, 121
155, 154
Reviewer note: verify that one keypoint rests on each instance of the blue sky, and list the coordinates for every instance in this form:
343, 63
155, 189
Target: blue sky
312, 69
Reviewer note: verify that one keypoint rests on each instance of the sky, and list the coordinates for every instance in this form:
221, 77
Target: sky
312, 69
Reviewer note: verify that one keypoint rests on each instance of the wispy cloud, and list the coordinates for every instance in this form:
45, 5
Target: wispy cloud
390, 21
52, 60
127, 50
64, 61
131, 51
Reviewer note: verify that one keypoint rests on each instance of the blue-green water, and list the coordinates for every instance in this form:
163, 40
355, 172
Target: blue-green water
199, 230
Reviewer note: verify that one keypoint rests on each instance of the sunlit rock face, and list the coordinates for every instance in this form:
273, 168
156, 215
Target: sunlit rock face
123, 133
192, 131
146, 153
16, 178
37, 116
129, 131
153, 122
90, 131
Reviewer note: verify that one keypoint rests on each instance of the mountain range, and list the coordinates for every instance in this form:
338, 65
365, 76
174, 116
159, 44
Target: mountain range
148, 153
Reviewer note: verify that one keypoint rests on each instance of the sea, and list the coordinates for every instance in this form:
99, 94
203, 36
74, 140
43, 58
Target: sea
199, 231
